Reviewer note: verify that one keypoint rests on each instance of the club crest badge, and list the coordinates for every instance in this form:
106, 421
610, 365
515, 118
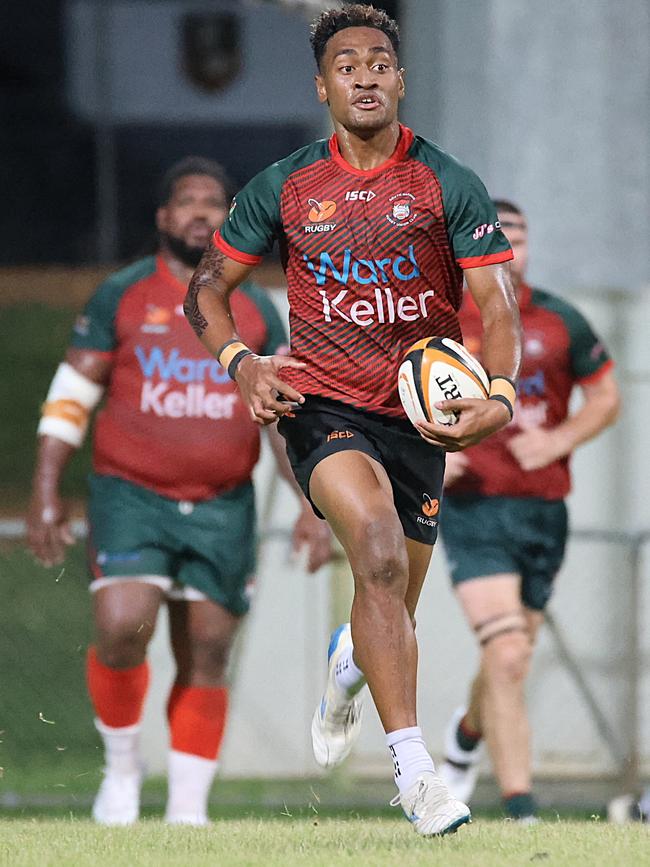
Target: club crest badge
401, 209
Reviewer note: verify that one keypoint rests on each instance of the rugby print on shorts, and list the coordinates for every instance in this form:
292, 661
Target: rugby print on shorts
435, 369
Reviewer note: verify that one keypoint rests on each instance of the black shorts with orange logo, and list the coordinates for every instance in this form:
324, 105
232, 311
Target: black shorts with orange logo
322, 427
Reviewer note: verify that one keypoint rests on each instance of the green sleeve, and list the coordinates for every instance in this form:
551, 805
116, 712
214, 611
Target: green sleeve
472, 222
276, 334
254, 220
95, 327
587, 351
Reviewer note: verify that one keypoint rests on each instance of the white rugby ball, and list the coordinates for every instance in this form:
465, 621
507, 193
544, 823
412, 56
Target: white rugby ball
435, 369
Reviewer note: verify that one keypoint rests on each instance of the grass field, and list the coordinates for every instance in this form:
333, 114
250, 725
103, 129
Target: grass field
34, 339
286, 841
50, 761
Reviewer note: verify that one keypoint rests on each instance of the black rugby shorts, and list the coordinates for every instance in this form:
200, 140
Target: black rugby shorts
322, 427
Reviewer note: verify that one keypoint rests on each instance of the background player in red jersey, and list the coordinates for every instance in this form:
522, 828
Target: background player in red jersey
505, 522
375, 228
171, 511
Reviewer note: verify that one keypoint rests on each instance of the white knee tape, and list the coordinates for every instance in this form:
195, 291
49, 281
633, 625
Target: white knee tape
69, 402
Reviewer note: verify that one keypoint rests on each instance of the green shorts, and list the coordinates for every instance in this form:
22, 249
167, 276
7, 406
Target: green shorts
207, 546
489, 535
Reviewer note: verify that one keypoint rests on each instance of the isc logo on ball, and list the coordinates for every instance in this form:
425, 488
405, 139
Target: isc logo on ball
435, 369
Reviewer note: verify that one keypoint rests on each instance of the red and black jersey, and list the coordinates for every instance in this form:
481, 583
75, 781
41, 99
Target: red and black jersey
560, 350
173, 420
373, 259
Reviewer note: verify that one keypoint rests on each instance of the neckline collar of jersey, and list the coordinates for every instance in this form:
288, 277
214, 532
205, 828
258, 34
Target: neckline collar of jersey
166, 273
404, 143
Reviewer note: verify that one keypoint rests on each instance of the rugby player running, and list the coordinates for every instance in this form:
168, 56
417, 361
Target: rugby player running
505, 524
171, 509
376, 228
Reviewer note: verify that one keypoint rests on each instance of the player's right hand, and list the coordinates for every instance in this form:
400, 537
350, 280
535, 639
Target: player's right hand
48, 530
259, 382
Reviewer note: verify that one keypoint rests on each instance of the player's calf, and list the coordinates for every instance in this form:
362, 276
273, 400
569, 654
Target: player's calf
197, 720
118, 698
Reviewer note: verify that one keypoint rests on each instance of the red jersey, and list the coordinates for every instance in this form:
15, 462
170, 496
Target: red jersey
173, 421
560, 350
373, 259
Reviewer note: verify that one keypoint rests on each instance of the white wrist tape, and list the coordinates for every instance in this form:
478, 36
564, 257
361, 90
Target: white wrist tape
69, 402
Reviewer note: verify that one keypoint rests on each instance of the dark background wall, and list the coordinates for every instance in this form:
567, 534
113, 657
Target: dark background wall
96, 102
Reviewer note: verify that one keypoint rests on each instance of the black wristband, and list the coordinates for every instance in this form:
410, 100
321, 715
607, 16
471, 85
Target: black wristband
507, 379
232, 340
503, 400
232, 367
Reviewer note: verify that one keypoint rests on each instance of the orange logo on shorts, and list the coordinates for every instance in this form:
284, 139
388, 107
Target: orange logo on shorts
339, 435
321, 211
430, 507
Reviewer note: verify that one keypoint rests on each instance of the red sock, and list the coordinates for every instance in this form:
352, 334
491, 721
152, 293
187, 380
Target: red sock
197, 719
117, 694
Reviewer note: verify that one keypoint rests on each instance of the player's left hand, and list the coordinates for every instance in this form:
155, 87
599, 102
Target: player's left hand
536, 448
314, 535
477, 420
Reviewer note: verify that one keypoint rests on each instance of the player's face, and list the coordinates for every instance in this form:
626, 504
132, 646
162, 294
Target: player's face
360, 80
515, 229
196, 208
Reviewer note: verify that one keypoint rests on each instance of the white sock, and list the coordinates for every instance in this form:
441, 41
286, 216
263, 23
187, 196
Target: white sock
121, 748
410, 756
190, 780
348, 676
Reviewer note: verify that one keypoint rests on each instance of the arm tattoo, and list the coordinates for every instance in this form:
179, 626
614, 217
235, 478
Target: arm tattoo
209, 270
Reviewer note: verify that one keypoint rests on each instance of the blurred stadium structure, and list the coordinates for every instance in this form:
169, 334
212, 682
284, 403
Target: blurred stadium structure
550, 106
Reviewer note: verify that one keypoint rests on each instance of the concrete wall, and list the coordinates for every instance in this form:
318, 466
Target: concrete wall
548, 102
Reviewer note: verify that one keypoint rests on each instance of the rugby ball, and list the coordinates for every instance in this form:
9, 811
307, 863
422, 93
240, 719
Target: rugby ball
435, 369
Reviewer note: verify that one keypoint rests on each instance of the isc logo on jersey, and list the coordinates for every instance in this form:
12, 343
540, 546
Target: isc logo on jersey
191, 401
360, 196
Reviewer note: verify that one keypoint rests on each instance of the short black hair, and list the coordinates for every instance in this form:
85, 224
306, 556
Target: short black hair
355, 15
508, 206
194, 166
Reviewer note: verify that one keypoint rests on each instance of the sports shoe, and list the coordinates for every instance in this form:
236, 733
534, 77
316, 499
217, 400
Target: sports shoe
459, 771
337, 720
118, 799
430, 808
527, 820
629, 808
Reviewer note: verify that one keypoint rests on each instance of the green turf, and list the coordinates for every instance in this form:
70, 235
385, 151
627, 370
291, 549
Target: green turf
45, 717
34, 339
286, 841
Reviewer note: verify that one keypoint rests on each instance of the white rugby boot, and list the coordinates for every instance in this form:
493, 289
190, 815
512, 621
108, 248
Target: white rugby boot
430, 808
337, 720
190, 779
118, 799
459, 771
